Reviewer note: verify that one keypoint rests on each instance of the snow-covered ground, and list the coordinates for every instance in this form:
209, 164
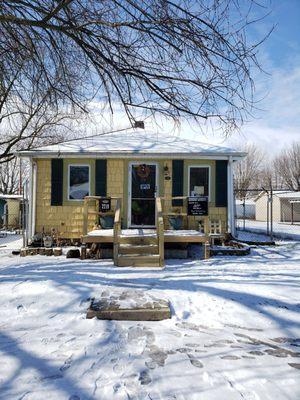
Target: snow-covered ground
234, 333
10, 240
280, 229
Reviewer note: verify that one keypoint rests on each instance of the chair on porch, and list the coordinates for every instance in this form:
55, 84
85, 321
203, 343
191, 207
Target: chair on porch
215, 231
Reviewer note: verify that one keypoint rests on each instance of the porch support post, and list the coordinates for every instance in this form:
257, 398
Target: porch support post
30, 191
34, 184
230, 202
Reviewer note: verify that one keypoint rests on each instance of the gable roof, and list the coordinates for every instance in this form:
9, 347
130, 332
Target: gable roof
131, 143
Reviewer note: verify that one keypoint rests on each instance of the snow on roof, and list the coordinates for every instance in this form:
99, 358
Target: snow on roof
281, 194
131, 142
247, 202
11, 196
287, 195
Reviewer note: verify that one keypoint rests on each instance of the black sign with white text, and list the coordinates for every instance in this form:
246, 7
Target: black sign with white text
104, 205
197, 205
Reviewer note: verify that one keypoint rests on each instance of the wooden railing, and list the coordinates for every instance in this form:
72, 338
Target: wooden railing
87, 212
183, 214
160, 231
117, 230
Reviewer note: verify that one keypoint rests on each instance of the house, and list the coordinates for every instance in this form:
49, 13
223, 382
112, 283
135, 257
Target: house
286, 206
138, 167
10, 211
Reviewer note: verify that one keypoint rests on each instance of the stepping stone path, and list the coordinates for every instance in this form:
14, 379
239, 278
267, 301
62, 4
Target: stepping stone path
129, 305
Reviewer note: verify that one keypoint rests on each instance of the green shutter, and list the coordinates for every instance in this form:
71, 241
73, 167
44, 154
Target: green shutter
177, 181
221, 183
100, 176
57, 172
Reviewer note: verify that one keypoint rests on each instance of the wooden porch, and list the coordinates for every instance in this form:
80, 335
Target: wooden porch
138, 247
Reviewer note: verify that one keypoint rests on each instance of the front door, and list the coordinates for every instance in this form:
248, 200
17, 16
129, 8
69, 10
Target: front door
142, 192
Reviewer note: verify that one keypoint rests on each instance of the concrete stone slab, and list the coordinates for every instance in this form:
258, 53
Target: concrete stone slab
129, 305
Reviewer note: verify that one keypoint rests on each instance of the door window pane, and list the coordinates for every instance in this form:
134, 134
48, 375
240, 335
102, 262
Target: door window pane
199, 181
143, 181
79, 182
143, 212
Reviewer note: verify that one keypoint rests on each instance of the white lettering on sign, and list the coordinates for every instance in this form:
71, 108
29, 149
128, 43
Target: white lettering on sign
145, 186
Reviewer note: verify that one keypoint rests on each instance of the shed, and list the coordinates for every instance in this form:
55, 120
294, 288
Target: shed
285, 203
10, 211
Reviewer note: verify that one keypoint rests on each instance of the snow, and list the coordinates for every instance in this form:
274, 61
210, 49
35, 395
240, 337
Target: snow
134, 142
288, 195
145, 232
10, 240
11, 196
280, 229
234, 332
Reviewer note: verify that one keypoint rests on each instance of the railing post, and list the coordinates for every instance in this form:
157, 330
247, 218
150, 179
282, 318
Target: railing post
160, 231
85, 217
117, 231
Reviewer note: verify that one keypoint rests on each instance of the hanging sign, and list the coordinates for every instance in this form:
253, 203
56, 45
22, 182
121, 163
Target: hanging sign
197, 205
145, 186
104, 205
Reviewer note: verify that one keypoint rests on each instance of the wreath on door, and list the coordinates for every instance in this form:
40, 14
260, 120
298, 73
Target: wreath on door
143, 171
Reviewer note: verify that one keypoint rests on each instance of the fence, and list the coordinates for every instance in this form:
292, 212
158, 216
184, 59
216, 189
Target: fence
270, 214
13, 221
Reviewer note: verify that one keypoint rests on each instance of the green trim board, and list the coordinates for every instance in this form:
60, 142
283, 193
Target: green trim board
101, 177
221, 183
57, 181
177, 184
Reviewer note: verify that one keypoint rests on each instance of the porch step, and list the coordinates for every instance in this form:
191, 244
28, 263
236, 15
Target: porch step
136, 260
138, 240
138, 249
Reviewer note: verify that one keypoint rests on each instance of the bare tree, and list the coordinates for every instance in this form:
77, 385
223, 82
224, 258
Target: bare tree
9, 177
247, 172
287, 166
179, 58
13, 176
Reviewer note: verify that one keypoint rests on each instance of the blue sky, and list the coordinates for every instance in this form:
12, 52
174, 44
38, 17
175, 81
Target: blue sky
278, 122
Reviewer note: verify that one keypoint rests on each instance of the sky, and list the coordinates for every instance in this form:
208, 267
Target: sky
275, 123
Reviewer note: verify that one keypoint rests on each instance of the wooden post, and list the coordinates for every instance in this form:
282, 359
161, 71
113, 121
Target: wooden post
117, 231
83, 252
85, 216
160, 231
206, 250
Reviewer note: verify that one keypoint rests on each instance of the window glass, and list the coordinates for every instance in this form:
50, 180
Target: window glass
79, 182
199, 177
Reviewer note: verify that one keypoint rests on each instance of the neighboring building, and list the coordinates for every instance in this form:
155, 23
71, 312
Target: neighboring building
136, 166
284, 205
245, 209
10, 211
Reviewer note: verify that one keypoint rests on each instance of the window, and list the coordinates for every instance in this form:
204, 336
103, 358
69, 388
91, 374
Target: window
199, 181
79, 182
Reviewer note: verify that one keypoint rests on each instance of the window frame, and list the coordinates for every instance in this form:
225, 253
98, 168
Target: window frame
69, 170
209, 178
